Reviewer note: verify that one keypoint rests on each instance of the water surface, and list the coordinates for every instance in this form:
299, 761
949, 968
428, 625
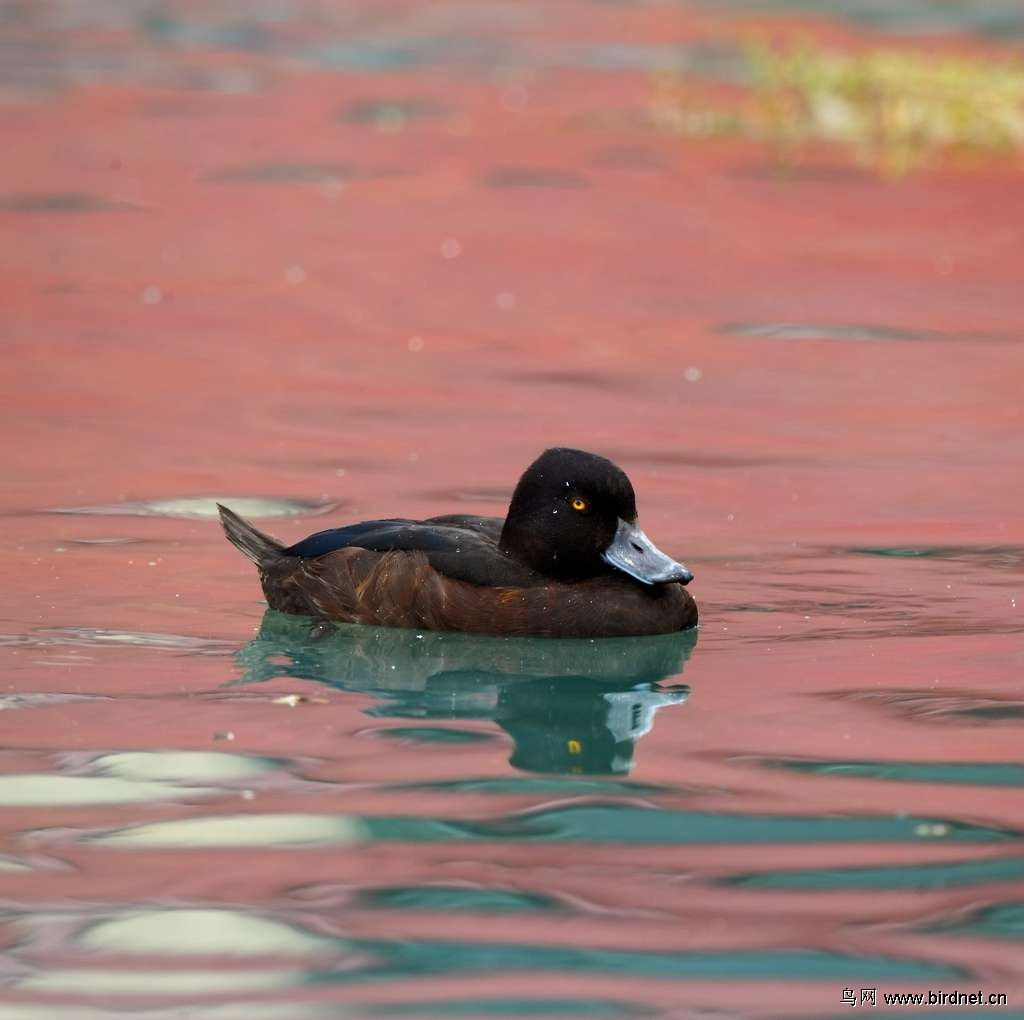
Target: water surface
341, 262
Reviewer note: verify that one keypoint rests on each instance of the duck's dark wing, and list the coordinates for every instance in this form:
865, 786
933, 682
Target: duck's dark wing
352, 535
488, 526
459, 546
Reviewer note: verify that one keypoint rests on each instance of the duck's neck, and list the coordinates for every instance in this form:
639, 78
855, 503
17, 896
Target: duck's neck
524, 545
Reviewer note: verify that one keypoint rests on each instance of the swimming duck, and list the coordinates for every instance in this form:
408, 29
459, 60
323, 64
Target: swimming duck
568, 560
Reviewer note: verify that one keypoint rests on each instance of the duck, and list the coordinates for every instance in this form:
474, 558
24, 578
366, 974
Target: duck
569, 559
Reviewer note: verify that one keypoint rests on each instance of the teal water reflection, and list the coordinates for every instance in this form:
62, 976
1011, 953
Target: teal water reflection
901, 877
948, 772
571, 705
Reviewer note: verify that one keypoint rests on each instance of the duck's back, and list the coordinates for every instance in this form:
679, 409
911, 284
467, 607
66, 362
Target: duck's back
459, 546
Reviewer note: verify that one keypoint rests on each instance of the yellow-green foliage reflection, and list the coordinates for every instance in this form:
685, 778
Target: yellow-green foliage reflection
892, 108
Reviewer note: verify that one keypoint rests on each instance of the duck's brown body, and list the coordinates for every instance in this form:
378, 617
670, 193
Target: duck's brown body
581, 574
402, 589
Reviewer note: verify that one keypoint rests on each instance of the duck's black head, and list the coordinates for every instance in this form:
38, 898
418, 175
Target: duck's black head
573, 516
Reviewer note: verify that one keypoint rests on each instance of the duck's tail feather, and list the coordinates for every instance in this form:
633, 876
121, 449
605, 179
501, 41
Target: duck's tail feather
260, 548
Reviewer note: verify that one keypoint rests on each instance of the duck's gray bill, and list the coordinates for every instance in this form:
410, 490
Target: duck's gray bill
635, 554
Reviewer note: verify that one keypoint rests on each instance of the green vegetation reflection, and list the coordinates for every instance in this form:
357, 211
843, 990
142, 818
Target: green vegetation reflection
893, 109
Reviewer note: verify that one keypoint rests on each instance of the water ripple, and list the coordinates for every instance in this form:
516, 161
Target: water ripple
848, 332
204, 507
575, 823
100, 637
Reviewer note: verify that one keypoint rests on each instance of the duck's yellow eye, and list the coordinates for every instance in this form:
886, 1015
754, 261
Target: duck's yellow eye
579, 504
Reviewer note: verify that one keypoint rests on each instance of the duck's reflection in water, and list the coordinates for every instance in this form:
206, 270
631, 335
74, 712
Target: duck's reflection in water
569, 704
